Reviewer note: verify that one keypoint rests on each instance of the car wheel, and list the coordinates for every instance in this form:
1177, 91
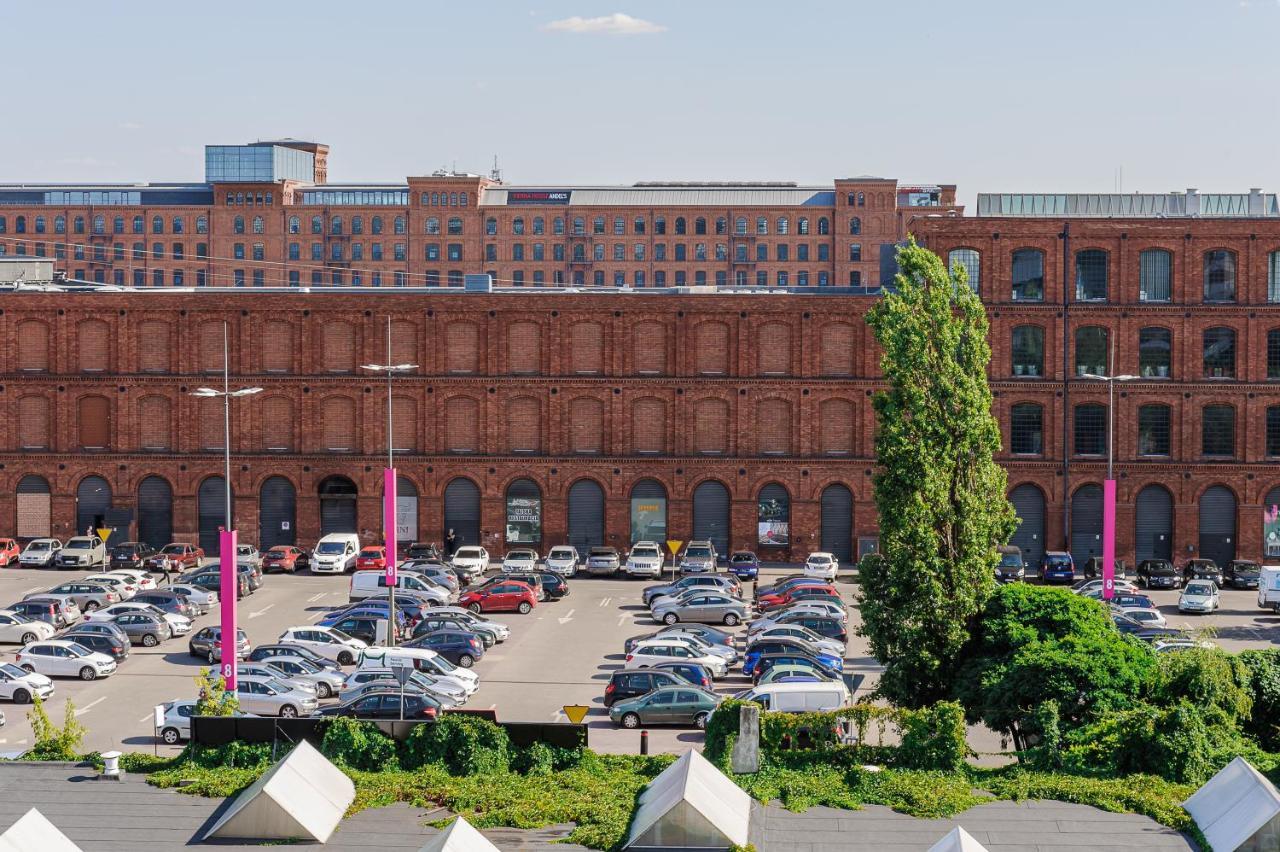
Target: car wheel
150, 640
21, 696
323, 690
170, 736
288, 711
88, 673
524, 607
90, 607
701, 721
211, 657
630, 720
730, 619
475, 607
466, 661
345, 658
28, 638
670, 618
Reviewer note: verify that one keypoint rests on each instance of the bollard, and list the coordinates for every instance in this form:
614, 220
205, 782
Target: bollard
644, 742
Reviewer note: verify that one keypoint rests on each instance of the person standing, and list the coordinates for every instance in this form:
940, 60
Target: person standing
450, 544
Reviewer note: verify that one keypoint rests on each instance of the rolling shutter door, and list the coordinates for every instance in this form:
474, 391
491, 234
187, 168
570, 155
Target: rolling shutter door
650, 346
462, 511
277, 346
154, 347
277, 513
33, 346
462, 348
1086, 524
94, 414
711, 515
649, 426
93, 339
773, 425
406, 512
710, 426
337, 506
1028, 504
524, 433
711, 355
836, 349
461, 425
774, 346
93, 501
339, 346
837, 522
1154, 524
155, 512
34, 508
33, 423
588, 348
586, 425
836, 418
211, 501
586, 515
1218, 525
524, 348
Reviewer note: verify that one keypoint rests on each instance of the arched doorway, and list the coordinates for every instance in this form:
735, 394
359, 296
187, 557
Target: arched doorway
155, 511
773, 516
462, 511
277, 513
1270, 527
1028, 504
406, 512
1086, 524
523, 513
648, 511
93, 501
34, 509
1153, 524
836, 533
586, 514
1218, 525
338, 505
211, 511
711, 515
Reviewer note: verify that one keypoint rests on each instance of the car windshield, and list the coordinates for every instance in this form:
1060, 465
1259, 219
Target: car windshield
648, 550
698, 552
1057, 561
38, 545
1010, 560
467, 553
79, 544
560, 553
173, 549
371, 554
78, 650
601, 551
278, 551
339, 635
244, 549
819, 560
1199, 589
443, 665
12, 671
742, 557
1159, 568
331, 547
1246, 568
272, 683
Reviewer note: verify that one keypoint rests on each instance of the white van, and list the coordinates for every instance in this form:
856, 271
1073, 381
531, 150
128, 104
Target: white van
366, 584
1269, 588
800, 697
335, 553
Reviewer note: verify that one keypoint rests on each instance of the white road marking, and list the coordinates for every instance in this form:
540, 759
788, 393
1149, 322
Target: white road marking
557, 716
622, 619
605, 601
566, 618
315, 598
86, 708
263, 610
21, 742
146, 717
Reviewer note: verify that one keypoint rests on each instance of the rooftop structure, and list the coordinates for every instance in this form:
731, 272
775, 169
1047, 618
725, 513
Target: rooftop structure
1172, 205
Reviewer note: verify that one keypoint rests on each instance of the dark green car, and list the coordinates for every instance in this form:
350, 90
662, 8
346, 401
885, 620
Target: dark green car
668, 705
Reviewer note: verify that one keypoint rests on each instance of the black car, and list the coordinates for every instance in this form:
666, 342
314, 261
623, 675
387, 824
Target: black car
1202, 569
422, 550
553, 585
695, 673
106, 628
212, 581
1010, 568
264, 653
113, 646
130, 554
824, 626
1158, 574
1093, 568
456, 646
1241, 574
433, 622
1154, 634
632, 683
386, 705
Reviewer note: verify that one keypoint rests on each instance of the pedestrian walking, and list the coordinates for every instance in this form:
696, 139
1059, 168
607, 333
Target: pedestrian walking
450, 544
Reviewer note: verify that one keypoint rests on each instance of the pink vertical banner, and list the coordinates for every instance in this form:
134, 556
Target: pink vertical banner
1108, 539
230, 582
389, 522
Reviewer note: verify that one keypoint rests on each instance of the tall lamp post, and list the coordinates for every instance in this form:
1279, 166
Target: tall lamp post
229, 579
389, 490
1109, 487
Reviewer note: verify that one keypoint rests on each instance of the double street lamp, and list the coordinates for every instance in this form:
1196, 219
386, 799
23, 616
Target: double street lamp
1109, 487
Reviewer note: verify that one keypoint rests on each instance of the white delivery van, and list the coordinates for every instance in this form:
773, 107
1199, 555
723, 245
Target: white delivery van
335, 553
1269, 588
800, 697
366, 584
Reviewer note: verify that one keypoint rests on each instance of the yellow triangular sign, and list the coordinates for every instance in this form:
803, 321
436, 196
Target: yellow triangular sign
104, 533
674, 545
576, 712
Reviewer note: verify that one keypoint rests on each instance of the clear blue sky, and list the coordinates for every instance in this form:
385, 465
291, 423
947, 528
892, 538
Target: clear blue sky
988, 94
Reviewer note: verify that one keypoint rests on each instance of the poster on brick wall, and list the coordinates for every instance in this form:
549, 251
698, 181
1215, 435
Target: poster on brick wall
648, 519
1271, 531
524, 520
774, 527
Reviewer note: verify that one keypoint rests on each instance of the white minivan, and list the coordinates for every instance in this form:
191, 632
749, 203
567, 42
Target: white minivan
335, 553
799, 697
366, 584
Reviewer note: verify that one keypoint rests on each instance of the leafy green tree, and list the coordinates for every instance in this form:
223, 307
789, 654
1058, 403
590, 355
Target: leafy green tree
1210, 679
939, 493
53, 742
213, 698
1263, 667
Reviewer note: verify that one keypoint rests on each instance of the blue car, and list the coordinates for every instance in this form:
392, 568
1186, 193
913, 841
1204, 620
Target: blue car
371, 610
1058, 567
786, 646
744, 565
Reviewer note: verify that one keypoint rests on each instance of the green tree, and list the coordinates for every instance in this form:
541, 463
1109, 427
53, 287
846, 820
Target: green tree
939, 493
213, 698
53, 742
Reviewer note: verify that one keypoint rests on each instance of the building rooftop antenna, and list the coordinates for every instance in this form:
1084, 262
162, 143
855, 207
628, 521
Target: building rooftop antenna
496, 173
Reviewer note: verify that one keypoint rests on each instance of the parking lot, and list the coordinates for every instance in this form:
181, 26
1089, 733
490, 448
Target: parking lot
563, 652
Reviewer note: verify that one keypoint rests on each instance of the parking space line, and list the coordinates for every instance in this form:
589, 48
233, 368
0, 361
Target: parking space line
86, 708
146, 717
605, 601
315, 598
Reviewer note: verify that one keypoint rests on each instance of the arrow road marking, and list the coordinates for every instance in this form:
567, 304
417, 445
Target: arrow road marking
261, 611
86, 708
566, 618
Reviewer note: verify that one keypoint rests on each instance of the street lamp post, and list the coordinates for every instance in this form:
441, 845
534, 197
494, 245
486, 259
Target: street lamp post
389, 490
1109, 487
228, 576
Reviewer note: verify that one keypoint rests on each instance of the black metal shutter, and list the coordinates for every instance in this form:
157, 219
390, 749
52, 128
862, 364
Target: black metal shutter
1086, 524
837, 522
711, 515
93, 500
1218, 525
462, 511
211, 509
1028, 503
1154, 524
35, 505
155, 511
338, 506
586, 515
277, 513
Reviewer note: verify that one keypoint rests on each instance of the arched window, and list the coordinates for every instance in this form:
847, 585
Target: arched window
1091, 351
99, 224
1220, 353
1090, 430
660, 224
136, 225
40, 223
517, 226
762, 225
1028, 350
680, 226
258, 225
740, 225
237, 225
398, 225
824, 226
597, 225
433, 225
335, 224
540, 225
970, 261
202, 224
783, 225
1155, 352
722, 225
1155, 275
357, 224
59, 224
1091, 275
1153, 430
700, 225
375, 225
1028, 275
157, 225
295, 225
855, 225
1219, 276
317, 225
1026, 429
1218, 431
491, 226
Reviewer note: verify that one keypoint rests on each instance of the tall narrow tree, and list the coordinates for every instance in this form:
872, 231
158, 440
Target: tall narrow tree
939, 493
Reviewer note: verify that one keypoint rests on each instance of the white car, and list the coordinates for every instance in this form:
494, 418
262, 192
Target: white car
563, 560
654, 651
20, 686
180, 624
826, 609
264, 696
328, 642
175, 724
39, 553
1087, 586
83, 551
64, 658
1198, 596
247, 554
821, 564
454, 691
422, 659
144, 581
1148, 617
520, 559
125, 587
795, 631
198, 594
1163, 646
471, 560
16, 627
644, 560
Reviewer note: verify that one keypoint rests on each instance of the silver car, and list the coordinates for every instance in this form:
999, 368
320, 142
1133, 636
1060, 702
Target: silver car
264, 696
325, 682
362, 680
603, 561
705, 607
87, 596
195, 594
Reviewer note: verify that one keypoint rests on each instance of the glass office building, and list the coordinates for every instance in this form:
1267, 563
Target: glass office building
257, 163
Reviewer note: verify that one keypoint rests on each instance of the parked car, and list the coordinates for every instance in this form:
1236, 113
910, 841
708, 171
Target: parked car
86, 596
830, 607
179, 624
680, 705
790, 582
1158, 574
802, 634
632, 683
21, 686
270, 697
795, 595
470, 562
501, 597
1199, 596
82, 551
286, 558
374, 557
366, 584
325, 682
644, 560
603, 561
563, 559
115, 646
553, 586
140, 579
1202, 569
422, 550
40, 553
1241, 574
61, 658
448, 695
197, 595
791, 674
131, 554
247, 554
65, 611
520, 559
654, 651
288, 649
434, 573
335, 553
532, 579
364, 626
328, 642
1085, 587
720, 583
705, 606
421, 659
1093, 568
762, 648
821, 625
9, 552
799, 697
1010, 568
823, 565
699, 557
144, 627
708, 634
744, 565
170, 602
175, 721
179, 556
207, 642
1057, 567
696, 674
386, 704
767, 661
212, 581
456, 646
466, 620
124, 587
1123, 600
1146, 617
15, 627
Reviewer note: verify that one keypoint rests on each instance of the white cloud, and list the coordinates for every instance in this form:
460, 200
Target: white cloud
616, 24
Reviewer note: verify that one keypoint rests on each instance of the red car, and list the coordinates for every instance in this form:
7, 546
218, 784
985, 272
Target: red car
371, 557
284, 557
500, 597
798, 593
182, 557
8, 552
